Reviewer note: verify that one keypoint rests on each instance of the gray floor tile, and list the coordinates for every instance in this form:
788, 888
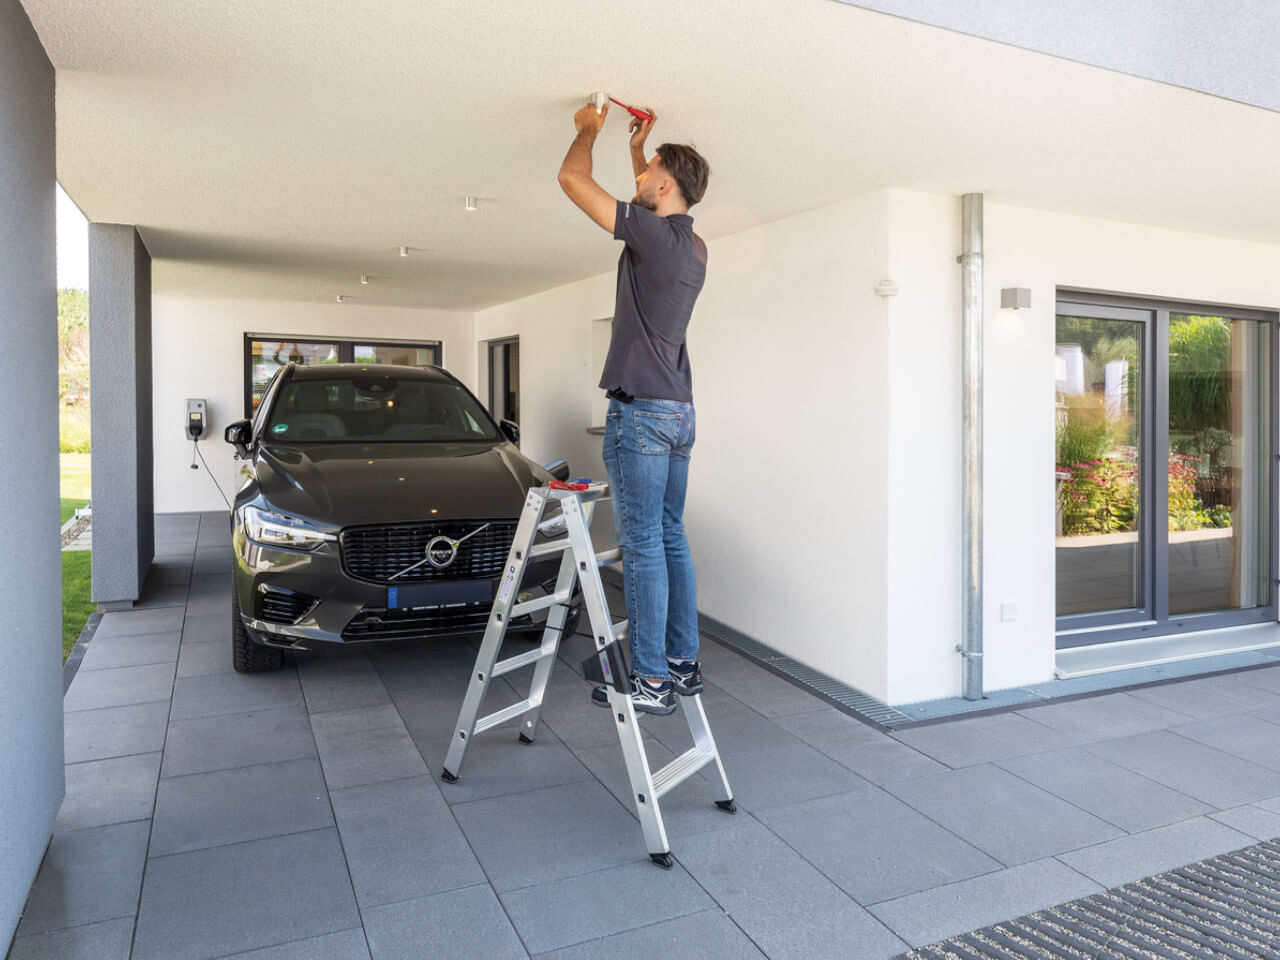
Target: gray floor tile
210, 628
1243, 736
708, 936
344, 945
115, 731
119, 687
109, 940
135, 623
244, 803
341, 683
872, 755
203, 659
1131, 858
209, 903
875, 846
933, 915
1209, 696
169, 572
401, 841
1002, 815
467, 924
237, 740
789, 909
1119, 796
564, 912
1254, 820
87, 876
105, 653
964, 743
115, 790
162, 595
687, 810
770, 695
563, 831
738, 729
780, 775
1192, 768
365, 746
207, 602
498, 763
1266, 678
1105, 717
216, 694
211, 561
211, 583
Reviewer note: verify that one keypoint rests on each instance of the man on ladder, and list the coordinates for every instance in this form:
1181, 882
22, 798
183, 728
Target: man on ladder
650, 427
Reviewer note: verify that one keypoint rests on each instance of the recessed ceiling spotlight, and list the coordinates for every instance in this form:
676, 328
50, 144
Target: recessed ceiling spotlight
404, 251
364, 279
470, 202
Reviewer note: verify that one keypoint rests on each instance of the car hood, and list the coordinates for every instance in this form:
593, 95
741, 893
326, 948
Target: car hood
347, 484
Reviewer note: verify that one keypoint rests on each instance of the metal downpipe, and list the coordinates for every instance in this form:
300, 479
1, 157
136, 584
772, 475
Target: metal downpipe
971, 322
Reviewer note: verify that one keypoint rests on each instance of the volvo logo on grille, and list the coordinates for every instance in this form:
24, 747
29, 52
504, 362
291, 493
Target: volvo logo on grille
442, 551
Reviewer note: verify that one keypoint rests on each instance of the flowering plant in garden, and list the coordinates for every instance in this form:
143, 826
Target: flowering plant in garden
1185, 511
1101, 496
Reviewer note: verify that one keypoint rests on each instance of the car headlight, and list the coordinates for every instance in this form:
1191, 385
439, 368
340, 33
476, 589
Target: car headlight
279, 530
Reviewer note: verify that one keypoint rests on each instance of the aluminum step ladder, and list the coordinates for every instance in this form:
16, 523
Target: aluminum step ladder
579, 563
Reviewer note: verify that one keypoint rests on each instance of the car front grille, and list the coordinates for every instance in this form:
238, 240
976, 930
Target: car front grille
376, 624
278, 606
379, 553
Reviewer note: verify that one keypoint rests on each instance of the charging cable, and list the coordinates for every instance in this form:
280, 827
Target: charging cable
195, 452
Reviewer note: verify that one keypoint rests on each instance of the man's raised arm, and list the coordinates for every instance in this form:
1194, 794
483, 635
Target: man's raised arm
575, 172
639, 134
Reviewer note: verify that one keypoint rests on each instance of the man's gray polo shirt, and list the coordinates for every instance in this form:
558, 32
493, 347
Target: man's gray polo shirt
660, 274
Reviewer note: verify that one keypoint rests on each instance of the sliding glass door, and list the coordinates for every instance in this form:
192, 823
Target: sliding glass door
1164, 469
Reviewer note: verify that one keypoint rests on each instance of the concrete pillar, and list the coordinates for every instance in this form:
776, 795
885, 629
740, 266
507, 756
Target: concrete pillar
120, 372
31, 779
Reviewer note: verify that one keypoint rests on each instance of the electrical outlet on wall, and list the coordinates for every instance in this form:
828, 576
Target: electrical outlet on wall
1008, 612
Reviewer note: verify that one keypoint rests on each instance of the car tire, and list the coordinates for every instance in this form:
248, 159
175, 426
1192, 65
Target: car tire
246, 655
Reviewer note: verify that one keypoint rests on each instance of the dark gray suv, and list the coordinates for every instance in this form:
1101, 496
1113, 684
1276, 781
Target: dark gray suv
376, 502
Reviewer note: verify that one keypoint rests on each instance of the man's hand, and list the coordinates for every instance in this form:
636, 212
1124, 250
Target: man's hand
588, 121
640, 129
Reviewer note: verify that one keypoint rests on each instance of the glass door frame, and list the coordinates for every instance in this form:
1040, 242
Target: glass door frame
1085, 629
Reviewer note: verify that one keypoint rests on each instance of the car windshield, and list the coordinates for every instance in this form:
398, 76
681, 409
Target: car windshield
376, 409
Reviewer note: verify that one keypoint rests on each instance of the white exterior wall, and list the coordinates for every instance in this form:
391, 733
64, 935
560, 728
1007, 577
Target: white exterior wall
786, 513
198, 349
1023, 248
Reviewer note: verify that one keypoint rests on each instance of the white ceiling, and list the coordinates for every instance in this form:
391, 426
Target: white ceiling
281, 149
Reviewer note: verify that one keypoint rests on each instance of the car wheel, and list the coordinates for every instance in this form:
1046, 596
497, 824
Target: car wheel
247, 656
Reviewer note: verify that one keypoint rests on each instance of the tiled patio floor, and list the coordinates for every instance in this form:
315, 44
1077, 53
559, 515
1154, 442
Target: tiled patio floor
298, 814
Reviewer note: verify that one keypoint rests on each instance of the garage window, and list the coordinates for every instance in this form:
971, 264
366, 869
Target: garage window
264, 354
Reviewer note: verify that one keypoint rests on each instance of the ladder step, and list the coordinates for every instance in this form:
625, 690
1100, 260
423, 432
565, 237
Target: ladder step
523, 660
680, 769
551, 546
503, 715
539, 603
621, 629
606, 557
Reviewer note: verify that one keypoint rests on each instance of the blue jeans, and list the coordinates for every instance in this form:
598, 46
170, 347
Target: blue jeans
646, 452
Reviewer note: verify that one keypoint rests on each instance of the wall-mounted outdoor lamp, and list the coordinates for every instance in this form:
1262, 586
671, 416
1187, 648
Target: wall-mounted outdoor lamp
1015, 298
470, 203
886, 288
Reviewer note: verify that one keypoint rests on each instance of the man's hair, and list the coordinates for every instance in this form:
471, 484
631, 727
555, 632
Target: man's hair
688, 168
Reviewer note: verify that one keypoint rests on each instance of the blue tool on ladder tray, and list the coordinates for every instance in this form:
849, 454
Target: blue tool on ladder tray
580, 563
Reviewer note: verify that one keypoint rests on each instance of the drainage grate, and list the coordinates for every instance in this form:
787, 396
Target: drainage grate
1227, 907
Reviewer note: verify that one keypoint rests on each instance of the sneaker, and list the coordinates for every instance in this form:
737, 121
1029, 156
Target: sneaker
686, 677
645, 697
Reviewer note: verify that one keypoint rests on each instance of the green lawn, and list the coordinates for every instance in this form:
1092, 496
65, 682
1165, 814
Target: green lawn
76, 605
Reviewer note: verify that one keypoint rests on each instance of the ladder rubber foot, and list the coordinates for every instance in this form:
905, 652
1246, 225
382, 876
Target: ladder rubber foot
663, 860
525, 739
448, 777
728, 806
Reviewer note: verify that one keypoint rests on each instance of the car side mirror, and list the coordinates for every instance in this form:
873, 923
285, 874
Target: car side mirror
240, 436
559, 470
511, 430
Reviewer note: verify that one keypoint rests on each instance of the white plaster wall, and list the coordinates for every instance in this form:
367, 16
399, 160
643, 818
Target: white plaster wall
786, 510
198, 351
1041, 250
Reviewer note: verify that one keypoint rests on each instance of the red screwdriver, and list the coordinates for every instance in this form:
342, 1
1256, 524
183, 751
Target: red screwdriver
638, 114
